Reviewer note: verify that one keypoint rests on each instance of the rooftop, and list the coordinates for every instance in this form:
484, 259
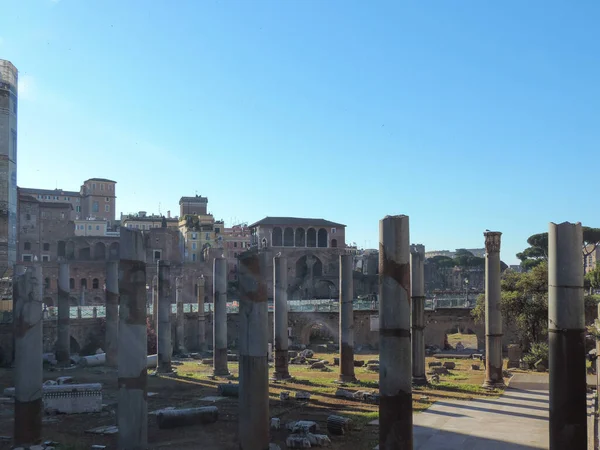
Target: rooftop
48, 192
196, 199
302, 221
103, 180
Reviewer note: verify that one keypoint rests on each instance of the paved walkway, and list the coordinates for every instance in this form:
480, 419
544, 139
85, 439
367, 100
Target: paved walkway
518, 420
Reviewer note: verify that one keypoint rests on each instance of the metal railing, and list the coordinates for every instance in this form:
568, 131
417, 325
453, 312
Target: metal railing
323, 305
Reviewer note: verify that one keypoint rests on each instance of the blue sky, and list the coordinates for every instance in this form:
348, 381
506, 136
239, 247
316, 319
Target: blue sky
464, 115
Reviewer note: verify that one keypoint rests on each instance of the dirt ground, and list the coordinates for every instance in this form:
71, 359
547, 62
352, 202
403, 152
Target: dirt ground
193, 382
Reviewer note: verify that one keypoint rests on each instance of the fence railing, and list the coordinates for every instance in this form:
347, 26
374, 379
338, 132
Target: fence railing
324, 305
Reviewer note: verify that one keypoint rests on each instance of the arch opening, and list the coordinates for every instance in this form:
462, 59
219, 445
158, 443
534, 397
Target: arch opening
277, 238
322, 238
311, 238
288, 237
99, 251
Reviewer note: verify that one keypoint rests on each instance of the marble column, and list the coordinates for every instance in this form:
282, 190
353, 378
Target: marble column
164, 346
63, 341
566, 336
180, 317
346, 319
395, 349
220, 317
417, 284
201, 315
132, 417
112, 313
493, 314
280, 315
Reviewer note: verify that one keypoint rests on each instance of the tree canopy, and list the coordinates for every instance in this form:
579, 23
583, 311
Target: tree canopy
537, 252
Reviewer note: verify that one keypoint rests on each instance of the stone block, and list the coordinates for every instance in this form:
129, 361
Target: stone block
474, 366
358, 363
439, 370
449, 365
435, 364
73, 398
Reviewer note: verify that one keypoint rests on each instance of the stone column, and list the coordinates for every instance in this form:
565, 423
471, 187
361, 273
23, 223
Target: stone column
201, 316
179, 327
566, 335
493, 315
395, 349
164, 347
417, 284
346, 317
132, 418
254, 337
155, 301
63, 341
280, 314
220, 317
112, 313
27, 310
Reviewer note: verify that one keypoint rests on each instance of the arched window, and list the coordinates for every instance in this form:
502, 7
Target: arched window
277, 239
311, 238
288, 237
300, 240
47, 283
99, 251
95, 283
322, 237
83, 283
71, 283
27, 246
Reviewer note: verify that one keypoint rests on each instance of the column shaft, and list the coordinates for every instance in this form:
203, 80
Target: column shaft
180, 325
27, 310
395, 349
220, 317
280, 338
417, 284
201, 316
254, 337
63, 341
566, 332
132, 418
112, 313
164, 346
346, 318
493, 314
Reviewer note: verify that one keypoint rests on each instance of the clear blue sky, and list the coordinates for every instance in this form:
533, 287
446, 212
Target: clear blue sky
465, 115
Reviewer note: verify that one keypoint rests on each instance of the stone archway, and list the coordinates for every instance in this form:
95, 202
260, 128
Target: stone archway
325, 289
459, 337
318, 330
99, 251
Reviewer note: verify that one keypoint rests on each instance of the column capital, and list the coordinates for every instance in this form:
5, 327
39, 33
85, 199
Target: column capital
418, 249
492, 241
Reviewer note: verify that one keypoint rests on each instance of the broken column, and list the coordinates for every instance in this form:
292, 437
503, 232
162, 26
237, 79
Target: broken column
220, 317
112, 313
417, 284
395, 349
201, 317
27, 309
132, 418
63, 341
164, 347
180, 317
280, 315
566, 335
253, 339
346, 319
493, 315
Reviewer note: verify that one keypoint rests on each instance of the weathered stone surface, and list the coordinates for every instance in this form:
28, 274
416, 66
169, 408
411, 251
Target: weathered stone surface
435, 364
439, 370
373, 367
474, 366
449, 365
317, 365
358, 363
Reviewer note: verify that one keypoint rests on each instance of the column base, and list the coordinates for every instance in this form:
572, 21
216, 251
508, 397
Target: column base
420, 381
347, 379
278, 376
493, 384
221, 373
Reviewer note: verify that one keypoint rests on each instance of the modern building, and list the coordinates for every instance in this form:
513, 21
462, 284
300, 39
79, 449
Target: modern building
9, 78
193, 206
591, 258
95, 199
143, 221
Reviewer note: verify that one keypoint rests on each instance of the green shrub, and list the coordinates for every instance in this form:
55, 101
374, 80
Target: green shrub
538, 351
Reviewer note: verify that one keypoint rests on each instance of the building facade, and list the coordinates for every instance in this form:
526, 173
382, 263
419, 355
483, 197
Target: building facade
298, 232
9, 103
591, 257
143, 221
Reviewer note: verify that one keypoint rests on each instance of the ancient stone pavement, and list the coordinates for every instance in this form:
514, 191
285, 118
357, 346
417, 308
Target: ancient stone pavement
518, 420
